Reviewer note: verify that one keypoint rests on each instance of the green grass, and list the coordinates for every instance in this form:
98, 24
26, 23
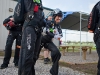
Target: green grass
76, 49
78, 44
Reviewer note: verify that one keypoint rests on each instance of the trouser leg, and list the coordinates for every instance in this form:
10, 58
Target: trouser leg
98, 52
55, 55
27, 52
17, 47
8, 49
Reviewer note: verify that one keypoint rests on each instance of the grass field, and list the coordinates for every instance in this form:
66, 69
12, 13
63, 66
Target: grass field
78, 44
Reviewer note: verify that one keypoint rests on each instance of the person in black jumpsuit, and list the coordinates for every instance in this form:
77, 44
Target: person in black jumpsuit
94, 27
15, 32
31, 36
53, 31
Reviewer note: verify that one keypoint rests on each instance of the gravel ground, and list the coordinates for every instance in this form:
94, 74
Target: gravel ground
74, 57
41, 69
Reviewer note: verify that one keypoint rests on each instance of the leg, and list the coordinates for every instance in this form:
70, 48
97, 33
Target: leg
37, 46
46, 56
27, 52
55, 55
98, 51
46, 53
36, 51
42, 43
17, 47
98, 66
8, 50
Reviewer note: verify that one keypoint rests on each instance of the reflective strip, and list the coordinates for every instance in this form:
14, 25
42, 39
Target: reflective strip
51, 30
90, 20
37, 1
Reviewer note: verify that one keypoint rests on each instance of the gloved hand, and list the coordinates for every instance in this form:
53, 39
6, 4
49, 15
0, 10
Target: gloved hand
58, 37
11, 24
8, 27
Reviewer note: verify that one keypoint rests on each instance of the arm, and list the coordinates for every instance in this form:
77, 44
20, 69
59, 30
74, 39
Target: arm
93, 18
8, 23
59, 35
7, 20
19, 12
60, 31
48, 26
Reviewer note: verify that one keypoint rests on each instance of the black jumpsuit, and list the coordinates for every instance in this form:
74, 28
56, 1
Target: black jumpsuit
14, 33
46, 41
31, 37
94, 26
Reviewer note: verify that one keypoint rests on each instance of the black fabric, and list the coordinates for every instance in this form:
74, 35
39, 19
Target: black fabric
19, 13
55, 55
7, 20
94, 17
94, 25
97, 42
17, 27
51, 24
37, 19
46, 41
31, 38
23, 8
29, 51
8, 48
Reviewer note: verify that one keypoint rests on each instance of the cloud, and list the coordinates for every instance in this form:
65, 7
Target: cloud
91, 6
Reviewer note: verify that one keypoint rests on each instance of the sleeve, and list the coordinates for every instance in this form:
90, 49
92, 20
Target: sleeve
48, 26
60, 31
7, 20
93, 18
59, 35
19, 12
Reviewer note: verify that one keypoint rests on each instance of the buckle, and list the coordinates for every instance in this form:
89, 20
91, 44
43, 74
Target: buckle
31, 16
36, 29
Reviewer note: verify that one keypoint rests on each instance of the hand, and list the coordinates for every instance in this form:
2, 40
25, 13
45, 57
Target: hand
11, 24
90, 31
54, 31
57, 37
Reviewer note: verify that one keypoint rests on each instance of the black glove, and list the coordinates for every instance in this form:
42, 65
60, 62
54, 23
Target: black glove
51, 35
9, 25
7, 20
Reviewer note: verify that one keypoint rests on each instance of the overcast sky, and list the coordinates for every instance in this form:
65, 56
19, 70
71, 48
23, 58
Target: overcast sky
71, 5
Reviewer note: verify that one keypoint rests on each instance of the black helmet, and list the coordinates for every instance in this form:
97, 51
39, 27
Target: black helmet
54, 13
57, 12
